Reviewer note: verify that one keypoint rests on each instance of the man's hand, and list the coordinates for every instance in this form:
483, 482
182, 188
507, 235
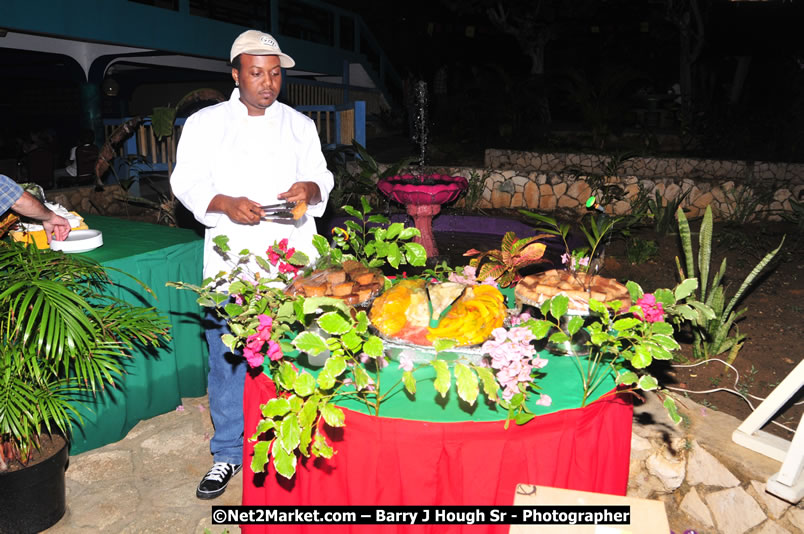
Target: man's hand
306, 191
58, 226
29, 206
239, 209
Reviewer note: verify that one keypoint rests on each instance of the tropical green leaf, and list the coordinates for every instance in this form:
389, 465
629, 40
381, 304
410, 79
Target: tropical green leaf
686, 288
333, 415
574, 324
559, 306
394, 230
334, 323
540, 328
672, 410
373, 347
310, 342
415, 254
409, 233
641, 357
394, 255
686, 242
634, 290
275, 408
647, 383
750, 278
284, 462
705, 250
362, 378
443, 379
627, 378
490, 385
665, 296
626, 323
409, 382
304, 385
523, 418
665, 341
662, 328
466, 383
260, 457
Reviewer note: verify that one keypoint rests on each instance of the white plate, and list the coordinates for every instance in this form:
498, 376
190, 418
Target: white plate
79, 241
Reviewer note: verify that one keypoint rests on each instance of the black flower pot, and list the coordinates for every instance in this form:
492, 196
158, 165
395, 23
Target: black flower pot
33, 499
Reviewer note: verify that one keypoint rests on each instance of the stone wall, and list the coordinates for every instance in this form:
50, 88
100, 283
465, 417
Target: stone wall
86, 200
646, 168
547, 182
707, 483
549, 191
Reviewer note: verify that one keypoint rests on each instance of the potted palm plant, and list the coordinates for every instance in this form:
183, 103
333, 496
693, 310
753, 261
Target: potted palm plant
61, 337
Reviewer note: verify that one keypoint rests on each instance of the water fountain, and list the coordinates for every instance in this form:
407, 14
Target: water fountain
423, 194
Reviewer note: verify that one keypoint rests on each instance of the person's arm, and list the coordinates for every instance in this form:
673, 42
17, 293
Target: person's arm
29, 206
239, 209
309, 192
191, 180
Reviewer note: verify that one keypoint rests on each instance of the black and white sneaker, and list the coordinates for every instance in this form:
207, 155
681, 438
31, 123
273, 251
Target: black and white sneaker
215, 481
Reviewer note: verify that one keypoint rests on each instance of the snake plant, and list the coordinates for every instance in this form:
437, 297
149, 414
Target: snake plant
712, 330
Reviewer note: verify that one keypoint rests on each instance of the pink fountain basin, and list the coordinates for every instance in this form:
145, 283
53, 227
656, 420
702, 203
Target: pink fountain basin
424, 189
423, 196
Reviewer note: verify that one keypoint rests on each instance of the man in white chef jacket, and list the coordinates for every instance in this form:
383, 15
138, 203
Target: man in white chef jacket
233, 158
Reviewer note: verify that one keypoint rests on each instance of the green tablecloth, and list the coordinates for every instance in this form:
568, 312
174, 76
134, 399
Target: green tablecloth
155, 380
561, 380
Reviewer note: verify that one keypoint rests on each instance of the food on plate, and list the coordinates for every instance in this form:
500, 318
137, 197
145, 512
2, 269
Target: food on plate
421, 313
578, 287
342, 289
340, 282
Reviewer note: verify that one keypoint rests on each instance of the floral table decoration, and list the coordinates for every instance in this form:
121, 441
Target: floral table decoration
273, 331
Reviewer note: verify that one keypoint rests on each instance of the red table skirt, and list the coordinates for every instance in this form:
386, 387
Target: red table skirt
382, 461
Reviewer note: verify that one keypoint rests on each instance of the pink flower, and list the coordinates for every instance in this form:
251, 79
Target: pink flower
283, 245
489, 281
544, 400
654, 312
405, 361
274, 351
273, 257
521, 318
266, 321
287, 268
239, 300
253, 358
565, 258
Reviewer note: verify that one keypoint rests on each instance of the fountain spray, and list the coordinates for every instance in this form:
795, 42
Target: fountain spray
420, 137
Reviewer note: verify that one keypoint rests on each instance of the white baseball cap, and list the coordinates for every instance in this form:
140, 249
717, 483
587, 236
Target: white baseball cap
258, 43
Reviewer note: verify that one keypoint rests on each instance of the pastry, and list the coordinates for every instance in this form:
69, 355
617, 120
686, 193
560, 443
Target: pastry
340, 282
578, 287
299, 210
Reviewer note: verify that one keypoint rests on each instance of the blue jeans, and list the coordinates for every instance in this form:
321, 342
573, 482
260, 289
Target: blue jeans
227, 376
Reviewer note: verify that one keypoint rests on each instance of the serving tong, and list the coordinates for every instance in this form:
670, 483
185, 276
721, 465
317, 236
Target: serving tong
283, 210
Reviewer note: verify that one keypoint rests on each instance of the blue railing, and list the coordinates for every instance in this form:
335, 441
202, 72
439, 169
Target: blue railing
142, 153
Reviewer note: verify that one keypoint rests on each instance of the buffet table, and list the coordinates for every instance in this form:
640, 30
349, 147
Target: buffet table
425, 450
155, 379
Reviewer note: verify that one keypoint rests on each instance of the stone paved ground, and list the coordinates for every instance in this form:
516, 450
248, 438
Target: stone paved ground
146, 482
